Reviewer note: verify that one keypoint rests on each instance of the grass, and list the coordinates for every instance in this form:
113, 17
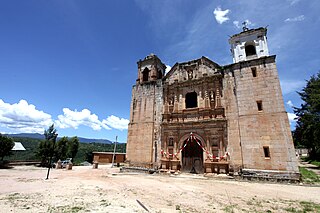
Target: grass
76, 209
310, 206
305, 206
308, 176
177, 207
105, 203
274, 205
314, 162
311, 161
230, 208
65, 209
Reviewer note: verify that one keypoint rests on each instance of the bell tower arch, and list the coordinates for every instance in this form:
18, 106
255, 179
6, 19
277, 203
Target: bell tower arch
249, 44
150, 69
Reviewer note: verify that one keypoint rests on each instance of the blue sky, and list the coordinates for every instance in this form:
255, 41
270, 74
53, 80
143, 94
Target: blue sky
73, 63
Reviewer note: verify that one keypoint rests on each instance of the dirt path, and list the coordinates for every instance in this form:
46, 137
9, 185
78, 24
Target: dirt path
309, 166
83, 189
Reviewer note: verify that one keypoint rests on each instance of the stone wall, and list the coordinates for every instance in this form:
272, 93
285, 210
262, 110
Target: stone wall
229, 102
146, 105
264, 127
239, 110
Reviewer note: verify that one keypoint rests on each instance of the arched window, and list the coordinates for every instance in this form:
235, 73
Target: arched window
145, 74
159, 74
191, 100
250, 49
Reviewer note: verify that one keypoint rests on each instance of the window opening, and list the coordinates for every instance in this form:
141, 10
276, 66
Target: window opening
266, 151
254, 71
259, 105
250, 50
146, 74
191, 100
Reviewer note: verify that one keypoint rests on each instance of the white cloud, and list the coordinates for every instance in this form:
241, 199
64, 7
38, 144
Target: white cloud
292, 2
23, 117
291, 117
221, 15
237, 24
289, 103
168, 68
73, 119
289, 86
116, 123
295, 19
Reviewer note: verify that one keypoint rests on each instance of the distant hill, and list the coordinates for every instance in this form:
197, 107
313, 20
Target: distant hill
91, 140
26, 135
40, 136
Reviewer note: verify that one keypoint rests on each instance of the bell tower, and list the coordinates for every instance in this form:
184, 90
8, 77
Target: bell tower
249, 44
145, 113
150, 69
262, 127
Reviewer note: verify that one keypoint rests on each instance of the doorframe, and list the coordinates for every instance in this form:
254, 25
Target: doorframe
200, 139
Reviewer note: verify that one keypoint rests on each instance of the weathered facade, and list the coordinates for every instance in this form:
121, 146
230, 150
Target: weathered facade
202, 117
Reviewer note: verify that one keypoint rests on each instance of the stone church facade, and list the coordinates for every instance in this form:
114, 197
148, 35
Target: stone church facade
203, 117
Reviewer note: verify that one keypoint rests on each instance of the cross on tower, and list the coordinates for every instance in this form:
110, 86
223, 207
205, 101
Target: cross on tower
245, 26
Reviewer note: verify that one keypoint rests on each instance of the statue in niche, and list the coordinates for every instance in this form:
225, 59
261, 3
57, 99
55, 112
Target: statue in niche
212, 96
190, 74
212, 99
171, 101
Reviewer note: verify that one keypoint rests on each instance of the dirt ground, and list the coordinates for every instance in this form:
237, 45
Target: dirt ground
83, 189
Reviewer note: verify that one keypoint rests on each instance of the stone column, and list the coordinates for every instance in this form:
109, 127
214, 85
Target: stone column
166, 106
218, 99
176, 104
220, 147
206, 100
153, 73
180, 102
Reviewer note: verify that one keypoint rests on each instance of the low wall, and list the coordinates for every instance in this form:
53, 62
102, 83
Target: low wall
106, 157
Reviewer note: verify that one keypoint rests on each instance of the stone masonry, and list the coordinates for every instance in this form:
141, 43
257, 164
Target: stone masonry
202, 117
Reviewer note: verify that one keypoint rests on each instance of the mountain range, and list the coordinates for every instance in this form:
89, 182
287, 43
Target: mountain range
40, 136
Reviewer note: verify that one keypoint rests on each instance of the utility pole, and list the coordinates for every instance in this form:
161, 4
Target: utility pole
114, 151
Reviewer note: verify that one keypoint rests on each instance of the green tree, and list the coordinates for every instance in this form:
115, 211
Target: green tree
307, 131
6, 145
61, 149
46, 148
73, 146
43, 152
88, 154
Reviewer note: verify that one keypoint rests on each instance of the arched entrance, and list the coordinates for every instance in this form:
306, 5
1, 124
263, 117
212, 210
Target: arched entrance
192, 155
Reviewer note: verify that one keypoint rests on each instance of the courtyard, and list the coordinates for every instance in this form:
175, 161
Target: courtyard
83, 189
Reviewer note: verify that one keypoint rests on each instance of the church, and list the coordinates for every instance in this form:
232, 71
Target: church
202, 117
